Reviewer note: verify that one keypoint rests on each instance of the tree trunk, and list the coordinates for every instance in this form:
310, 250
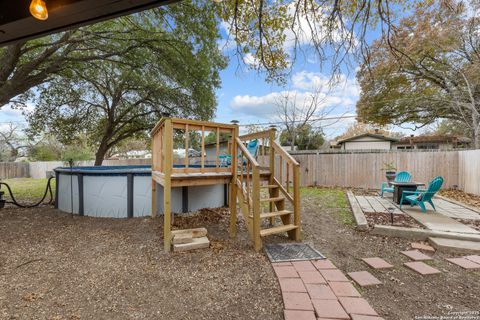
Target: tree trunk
100, 154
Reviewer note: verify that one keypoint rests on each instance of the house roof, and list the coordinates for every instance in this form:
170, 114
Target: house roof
17, 24
372, 135
434, 138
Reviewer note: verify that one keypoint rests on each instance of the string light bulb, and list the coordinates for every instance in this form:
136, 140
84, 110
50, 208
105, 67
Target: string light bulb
38, 9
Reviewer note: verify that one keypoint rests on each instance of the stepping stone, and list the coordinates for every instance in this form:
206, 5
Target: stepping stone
297, 301
416, 255
362, 317
364, 278
329, 309
292, 285
357, 306
377, 263
421, 267
421, 246
475, 259
320, 291
285, 272
303, 266
299, 315
281, 264
455, 245
344, 289
464, 263
312, 277
334, 275
324, 264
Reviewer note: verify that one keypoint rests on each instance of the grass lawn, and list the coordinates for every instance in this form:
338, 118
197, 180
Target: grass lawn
333, 200
27, 188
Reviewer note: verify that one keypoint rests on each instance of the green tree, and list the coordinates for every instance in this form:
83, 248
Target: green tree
432, 73
306, 138
115, 99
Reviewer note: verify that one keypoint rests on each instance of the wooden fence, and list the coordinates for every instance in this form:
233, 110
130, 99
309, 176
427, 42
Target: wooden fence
14, 170
460, 169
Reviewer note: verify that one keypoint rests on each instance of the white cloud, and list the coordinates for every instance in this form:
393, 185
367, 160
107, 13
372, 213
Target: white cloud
341, 97
250, 60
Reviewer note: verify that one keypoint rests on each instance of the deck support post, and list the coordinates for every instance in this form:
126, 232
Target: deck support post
154, 198
233, 186
167, 186
297, 233
257, 240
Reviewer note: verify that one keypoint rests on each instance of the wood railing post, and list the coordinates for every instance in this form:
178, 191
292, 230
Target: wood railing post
167, 187
257, 241
271, 136
296, 203
233, 185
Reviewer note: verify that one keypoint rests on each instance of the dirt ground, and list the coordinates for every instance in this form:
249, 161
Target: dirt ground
404, 294
467, 198
53, 266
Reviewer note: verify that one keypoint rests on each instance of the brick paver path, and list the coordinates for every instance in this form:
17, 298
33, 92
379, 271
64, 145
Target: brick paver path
319, 290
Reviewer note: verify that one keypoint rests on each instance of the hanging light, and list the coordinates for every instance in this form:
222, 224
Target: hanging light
38, 9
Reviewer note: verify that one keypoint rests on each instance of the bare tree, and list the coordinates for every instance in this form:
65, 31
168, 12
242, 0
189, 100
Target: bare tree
12, 141
295, 112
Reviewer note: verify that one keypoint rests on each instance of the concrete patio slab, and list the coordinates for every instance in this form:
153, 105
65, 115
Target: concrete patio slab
453, 245
364, 278
438, 222
464, 263
416, 255
421, 267
377, 263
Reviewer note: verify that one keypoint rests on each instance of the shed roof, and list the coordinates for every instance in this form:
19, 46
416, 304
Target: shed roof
372, 135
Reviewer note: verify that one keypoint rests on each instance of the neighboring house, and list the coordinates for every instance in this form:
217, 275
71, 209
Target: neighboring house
432, 142
366, 141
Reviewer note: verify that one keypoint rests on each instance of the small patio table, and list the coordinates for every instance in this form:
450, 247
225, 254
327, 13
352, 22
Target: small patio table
399, 187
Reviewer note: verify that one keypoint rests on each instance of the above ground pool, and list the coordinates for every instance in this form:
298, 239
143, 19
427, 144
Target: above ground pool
125, 192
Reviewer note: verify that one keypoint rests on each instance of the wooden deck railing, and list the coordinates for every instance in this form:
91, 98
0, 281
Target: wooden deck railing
163, 146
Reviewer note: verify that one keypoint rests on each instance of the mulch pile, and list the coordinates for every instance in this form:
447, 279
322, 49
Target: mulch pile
467, 198
399, 220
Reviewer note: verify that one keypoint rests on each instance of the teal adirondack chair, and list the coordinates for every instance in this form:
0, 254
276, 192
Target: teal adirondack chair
402, 176
421, 196
252, 148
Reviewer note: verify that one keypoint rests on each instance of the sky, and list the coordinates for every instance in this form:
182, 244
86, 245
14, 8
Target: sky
246, 96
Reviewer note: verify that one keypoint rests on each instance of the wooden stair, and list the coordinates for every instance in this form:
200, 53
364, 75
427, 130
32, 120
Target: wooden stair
266, 215
273, 199
277, 229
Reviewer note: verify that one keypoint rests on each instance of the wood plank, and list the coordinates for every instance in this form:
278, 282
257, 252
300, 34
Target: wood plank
387, 204
279, 229
168, 152
378, 207
364, 204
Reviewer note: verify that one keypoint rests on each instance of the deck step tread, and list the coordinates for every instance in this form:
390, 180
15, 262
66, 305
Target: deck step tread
274, 199
270, 186
274, 214
279, 229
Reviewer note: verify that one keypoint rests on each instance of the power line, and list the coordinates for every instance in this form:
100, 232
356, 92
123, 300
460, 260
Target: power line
309, 120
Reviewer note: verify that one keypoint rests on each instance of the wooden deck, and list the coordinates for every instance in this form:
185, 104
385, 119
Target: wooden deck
444, 207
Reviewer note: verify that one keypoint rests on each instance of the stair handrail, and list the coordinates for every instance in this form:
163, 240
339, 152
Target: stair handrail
250, 189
